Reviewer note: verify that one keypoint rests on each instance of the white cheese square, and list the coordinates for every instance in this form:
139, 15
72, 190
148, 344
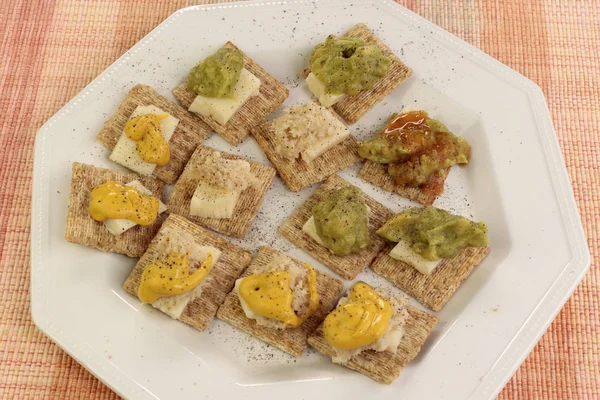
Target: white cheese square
403, 252
213, 202
318, 89
340, 133
125, 152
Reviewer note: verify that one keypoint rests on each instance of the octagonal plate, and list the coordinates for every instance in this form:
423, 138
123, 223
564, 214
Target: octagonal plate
517, 183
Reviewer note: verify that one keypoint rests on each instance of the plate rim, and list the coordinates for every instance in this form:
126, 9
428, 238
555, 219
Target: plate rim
525, 339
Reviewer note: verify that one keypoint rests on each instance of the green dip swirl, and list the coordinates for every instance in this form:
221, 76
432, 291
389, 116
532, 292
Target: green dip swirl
346, 65
217, 75
342, 221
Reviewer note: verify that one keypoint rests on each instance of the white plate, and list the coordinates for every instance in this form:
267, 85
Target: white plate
517, 183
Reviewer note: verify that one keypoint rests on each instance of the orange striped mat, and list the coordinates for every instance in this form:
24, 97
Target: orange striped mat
51, 49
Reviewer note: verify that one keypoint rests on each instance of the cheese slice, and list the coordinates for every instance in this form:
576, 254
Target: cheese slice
318, 89
213, 202
403, 252
222, 109
311, 230
118, 226
174, 306
125, 152
318, 147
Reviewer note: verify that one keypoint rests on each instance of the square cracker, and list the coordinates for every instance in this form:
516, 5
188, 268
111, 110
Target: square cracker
189, 133
251, 113
384, 366
377, 174
352, 107
220, 280
291, 340
298, 174
246, 208
82, 229
346, 266
432, 290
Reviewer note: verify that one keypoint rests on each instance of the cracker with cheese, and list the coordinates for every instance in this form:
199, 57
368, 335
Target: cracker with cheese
434, 289
116, 236
352, 107
256, 95
307, 144
290, 340
180, 130
220, 200
385, 366
348, 266
196, 307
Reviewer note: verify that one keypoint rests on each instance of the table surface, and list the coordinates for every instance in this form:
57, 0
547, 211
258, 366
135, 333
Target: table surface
52, 49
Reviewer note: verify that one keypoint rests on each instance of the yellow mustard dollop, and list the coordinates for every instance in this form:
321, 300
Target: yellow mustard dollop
113, 200
150, 144
170, 276
270, 295
359, 322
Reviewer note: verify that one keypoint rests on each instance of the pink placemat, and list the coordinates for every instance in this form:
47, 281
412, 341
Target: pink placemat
52, 49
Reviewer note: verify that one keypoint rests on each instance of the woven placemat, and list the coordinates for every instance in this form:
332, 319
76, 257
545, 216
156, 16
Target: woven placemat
52, 49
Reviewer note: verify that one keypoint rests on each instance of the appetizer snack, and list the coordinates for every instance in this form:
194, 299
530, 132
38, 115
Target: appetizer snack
354, 72
349, 209
306, 144
280, 300
412, 156
231, 93
221, 191
97, 218
435, 252
151, 135
186, 272
373, 333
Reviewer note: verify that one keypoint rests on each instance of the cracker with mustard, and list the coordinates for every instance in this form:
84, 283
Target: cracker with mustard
151, 135
95, 217
280, 300
186, 272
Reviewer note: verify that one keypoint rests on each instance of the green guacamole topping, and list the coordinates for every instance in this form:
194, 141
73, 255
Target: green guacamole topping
415, 147
434, 233
217, 75
346, 65
342, 222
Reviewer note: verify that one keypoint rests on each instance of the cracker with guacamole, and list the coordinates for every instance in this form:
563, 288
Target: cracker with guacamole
431, 253
231, 93
337, 226
354, 72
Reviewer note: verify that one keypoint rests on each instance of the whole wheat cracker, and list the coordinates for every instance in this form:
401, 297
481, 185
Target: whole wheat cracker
352, 107
385, 366
251, 113
346, 266
298, 174
220, 280
246, 208
377, 174
291, 340
82, 229
432, 290
188, 134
